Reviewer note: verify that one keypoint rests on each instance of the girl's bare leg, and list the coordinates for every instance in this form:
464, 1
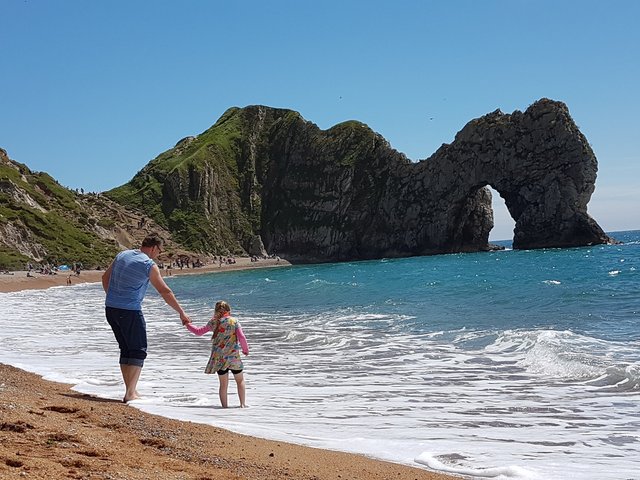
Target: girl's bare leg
224, 385
239, 378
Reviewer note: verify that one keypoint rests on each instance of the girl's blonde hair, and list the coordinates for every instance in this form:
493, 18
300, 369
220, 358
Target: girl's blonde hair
222, 307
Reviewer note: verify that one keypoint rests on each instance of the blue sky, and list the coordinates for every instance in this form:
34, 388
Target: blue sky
91, 91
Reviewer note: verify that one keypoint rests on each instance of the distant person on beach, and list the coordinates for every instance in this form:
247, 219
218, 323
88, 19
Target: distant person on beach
125, 283
226, 342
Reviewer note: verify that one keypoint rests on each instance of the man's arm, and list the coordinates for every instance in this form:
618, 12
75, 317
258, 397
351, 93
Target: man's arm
163, 289
106, 276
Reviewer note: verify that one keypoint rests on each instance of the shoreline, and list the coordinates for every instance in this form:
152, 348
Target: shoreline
50, 431
18, 280
47, 430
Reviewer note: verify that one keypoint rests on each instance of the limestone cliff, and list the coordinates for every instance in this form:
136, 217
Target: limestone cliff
268, 174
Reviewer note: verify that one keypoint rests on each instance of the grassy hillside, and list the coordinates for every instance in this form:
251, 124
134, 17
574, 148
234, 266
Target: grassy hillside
42, 221
194, 190
48, 221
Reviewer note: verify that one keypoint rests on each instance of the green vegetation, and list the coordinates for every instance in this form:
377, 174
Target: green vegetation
355, 140
194, 189
207, 190
12, 259
52, 219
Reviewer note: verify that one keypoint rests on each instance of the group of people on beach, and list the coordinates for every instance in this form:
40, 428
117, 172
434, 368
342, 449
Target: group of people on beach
125, 283
52, 269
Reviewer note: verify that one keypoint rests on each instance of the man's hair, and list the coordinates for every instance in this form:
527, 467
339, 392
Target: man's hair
152, 240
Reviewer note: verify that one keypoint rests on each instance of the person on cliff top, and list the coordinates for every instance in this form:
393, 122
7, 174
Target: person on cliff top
125, 282
226, 342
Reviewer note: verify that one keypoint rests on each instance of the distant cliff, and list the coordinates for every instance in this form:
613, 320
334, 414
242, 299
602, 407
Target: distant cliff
266, 179
43, 222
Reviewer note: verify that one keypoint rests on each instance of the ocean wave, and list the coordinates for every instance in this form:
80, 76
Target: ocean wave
623, 378
565, 355
444, 463
319, 281
523, 374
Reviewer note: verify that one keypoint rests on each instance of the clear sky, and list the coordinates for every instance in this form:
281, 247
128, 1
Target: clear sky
91, 91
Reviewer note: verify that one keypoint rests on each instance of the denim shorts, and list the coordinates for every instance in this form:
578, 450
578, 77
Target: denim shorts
130, 331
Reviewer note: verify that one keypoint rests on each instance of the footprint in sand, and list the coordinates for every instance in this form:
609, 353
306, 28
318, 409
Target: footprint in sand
61, 409
18, 427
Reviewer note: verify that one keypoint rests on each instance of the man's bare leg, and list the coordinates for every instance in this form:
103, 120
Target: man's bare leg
130, 375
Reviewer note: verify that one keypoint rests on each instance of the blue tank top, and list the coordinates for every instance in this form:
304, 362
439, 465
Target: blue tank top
129, 280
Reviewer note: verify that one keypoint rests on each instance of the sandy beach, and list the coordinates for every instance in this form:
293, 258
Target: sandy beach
48, 431
18, 280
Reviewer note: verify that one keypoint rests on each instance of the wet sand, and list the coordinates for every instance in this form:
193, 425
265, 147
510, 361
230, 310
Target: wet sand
48, 431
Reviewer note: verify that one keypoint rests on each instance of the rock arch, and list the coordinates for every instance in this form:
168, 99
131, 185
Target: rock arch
380, 204
540, 164
345, 193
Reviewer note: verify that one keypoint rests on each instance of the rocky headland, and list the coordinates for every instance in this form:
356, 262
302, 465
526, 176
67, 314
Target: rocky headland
265, 176
266, 181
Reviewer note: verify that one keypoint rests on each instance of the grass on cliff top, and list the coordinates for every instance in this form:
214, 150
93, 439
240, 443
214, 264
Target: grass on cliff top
217, 144
217, 148
355, 141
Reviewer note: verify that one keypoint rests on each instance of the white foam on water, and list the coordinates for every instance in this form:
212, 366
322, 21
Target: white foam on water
498, 473
512, 404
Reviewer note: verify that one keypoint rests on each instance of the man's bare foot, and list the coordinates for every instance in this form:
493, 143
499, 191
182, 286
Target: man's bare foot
135, 396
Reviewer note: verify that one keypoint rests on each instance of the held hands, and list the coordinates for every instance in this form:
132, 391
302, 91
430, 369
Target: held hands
185, 318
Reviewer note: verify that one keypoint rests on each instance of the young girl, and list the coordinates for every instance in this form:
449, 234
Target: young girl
225, 345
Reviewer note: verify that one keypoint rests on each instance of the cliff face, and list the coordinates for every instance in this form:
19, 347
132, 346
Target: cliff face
207, 190
267, 175
42, 221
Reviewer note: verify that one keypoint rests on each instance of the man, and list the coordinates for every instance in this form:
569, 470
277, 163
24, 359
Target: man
125, 283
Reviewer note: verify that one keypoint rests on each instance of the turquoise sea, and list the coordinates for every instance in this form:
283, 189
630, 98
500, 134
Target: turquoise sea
509, 364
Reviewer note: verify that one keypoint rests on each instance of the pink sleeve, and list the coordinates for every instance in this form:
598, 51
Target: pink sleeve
242, 340
198, 330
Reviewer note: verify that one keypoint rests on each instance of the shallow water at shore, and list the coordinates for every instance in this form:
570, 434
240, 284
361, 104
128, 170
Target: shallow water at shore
501, 365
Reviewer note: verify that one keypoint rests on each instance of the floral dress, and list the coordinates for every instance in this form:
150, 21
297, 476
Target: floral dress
226, 343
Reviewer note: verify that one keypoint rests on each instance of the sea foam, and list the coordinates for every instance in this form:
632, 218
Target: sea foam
468, 364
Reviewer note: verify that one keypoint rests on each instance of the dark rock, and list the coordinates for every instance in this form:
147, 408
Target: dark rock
344, 193
381, 205
257, 247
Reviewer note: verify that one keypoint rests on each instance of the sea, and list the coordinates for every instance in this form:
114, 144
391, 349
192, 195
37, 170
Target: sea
505, 365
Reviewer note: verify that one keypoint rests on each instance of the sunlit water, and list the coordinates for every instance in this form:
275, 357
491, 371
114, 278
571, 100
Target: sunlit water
512, 364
